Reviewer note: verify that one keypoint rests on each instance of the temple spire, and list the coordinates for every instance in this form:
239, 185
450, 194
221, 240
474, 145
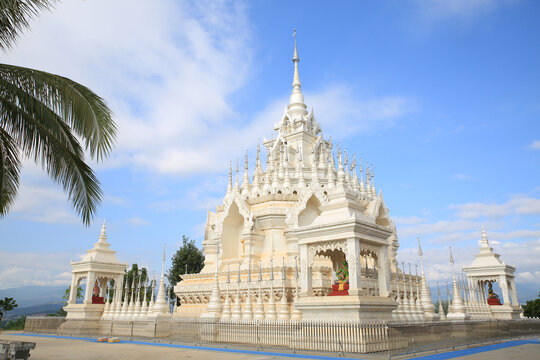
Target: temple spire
245, 181
484, 241
103, 235
297, 99
229, 187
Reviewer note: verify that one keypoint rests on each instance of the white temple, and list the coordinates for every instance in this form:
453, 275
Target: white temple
286, 229
306, 238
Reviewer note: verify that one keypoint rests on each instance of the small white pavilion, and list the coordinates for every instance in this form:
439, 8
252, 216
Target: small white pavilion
98, 266
487, 268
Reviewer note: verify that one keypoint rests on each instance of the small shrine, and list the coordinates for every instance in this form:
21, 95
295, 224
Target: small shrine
98, 267
486, 269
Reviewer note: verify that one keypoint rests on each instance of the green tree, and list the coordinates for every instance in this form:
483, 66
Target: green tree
139, 275
15, 324
43, 116
532, 307
444, 304
188, 259
61, 311
7, 304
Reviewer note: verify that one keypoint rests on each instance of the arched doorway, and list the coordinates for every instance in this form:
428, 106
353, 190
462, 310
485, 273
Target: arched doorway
231, 238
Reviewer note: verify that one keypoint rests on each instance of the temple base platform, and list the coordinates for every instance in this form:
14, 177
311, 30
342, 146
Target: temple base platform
82, 319
506, 312
346, 308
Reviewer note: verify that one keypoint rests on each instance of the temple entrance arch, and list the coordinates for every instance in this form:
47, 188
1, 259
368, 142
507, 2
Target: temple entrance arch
231, 238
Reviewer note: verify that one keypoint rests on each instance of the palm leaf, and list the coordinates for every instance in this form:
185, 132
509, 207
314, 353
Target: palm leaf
9, 171
84, 111
14, 16
44, 114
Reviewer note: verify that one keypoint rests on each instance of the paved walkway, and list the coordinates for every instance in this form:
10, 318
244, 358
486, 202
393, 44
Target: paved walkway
59, 348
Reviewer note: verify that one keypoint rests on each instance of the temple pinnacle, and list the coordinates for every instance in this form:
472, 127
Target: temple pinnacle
297, 99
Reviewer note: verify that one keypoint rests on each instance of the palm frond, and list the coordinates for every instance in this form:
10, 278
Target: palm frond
61, 156
83, 110
44, 113
14, 17
10, 168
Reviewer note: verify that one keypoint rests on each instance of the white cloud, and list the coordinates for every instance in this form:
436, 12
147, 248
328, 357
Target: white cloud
410, 220
520, 205
535, 145
439, 227
21, 269
341, 114
137, 221
169, 81
444, 9
41, 200
166, 71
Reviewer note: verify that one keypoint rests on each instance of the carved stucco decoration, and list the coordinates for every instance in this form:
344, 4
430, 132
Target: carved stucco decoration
243, 209
321, 247
292, 214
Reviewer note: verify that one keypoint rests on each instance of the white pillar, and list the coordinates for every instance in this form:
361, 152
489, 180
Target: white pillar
504, 288
90, 278
353, 261
384, 272
102, 286
514, 292
73, 290
305, 271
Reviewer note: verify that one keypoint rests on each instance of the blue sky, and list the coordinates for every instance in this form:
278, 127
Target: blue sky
443, 97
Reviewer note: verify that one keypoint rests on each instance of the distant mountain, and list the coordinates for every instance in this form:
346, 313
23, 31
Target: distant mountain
26, 296
42, 309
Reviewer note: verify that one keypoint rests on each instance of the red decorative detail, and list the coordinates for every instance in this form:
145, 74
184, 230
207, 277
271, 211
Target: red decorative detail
98, 300
494, 302
337, 292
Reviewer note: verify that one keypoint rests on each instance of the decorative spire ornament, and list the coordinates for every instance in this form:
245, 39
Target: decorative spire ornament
287, 177
247, 312
368, 184
284, 314
214, 307
341, 172
442, 316
226, 314
419, 308
330, 173
297, 98
160, 307
300, 172
245, 181
236, 187
314, 172
296, 313
458, 308
237, 309
347, 174
271, 313
103, 235
267, 175
412, 300
427, 304
229, 187
362, 187
373, 190
259, 307
406, 302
